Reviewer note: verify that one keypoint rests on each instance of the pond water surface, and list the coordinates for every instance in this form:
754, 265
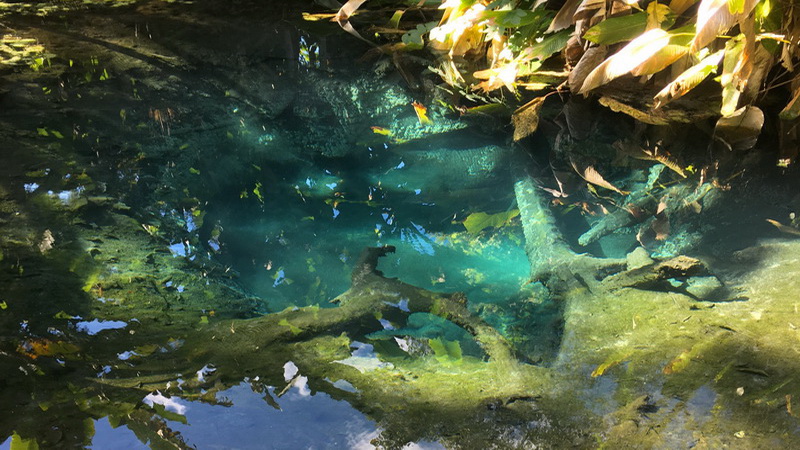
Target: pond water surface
176, 174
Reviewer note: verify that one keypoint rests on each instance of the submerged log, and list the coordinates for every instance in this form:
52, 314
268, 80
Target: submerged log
552, 260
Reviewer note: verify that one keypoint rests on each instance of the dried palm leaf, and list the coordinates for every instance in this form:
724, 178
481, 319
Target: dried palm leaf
688, 80
526, 118
715, 17
591, 175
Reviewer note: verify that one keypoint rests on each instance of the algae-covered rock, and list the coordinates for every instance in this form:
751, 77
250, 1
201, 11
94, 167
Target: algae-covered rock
704, 288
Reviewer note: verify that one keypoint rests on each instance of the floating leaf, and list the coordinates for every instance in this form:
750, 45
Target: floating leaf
194, 171
476, 222
3, 305
45, 347
688, 80
63, 315
422, 113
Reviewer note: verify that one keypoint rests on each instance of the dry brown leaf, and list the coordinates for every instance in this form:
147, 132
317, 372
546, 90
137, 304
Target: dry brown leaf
591, 175
741, 130
714, 18
342, 17
563, 18
633, 55
688, 80
661, 227
590, 59
588, 9
679, 6
526, 118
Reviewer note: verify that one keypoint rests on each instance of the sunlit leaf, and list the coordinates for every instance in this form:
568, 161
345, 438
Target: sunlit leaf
589, 61
677, 47
714, 17
18, 443
505, 75
730, 65
633, 55
689, 79
478, 221
659, 16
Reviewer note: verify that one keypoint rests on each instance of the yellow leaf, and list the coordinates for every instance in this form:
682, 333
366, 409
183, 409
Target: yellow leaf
526, 118
714, 18
476, 222
633, 55
422, 112
688, 80
610, 362
731, 89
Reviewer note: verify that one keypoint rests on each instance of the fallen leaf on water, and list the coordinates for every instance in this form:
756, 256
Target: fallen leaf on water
381, 131
422, 112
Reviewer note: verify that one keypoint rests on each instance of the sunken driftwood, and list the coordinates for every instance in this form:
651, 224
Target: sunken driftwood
370, 296
552, 260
